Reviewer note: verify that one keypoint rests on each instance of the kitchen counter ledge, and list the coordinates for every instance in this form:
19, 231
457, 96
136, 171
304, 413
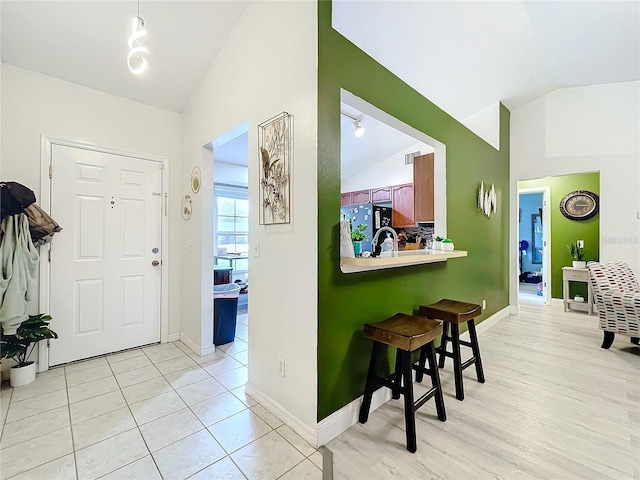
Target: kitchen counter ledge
403, 259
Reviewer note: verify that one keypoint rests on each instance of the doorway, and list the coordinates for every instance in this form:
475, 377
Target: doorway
103, 281
534, 245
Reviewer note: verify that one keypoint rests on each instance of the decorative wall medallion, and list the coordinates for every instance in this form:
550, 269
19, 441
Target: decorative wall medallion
187, 207
196, 179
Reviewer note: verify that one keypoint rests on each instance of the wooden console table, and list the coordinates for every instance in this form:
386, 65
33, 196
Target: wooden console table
570, 274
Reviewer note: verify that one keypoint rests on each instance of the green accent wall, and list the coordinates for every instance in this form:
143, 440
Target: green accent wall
565, 231
347, 301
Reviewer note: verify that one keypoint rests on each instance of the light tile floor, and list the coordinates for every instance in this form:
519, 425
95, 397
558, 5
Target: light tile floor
157, 412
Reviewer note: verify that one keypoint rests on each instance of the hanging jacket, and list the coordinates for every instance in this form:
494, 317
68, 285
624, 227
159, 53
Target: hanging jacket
18, 272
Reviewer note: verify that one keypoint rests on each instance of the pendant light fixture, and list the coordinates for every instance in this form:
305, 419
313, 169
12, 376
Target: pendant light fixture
358, 130
136, 59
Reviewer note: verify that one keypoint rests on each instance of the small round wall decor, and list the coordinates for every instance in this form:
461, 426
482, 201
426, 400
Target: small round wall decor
579, 205
196, 179
187, 207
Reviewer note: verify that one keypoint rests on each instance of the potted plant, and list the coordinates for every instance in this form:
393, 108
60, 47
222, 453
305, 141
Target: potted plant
577, 253
16, 347
447, 245
437, 243
357, 236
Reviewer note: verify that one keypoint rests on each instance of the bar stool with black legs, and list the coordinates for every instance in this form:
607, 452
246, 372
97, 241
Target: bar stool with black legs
453, 313
407, 333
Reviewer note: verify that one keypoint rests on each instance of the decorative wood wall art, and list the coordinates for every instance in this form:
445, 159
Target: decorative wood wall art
275, 144
487, 200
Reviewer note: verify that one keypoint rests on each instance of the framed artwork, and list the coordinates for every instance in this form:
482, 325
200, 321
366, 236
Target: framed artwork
275, 145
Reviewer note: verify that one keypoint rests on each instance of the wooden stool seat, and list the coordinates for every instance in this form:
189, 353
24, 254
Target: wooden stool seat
407, 334
453, 313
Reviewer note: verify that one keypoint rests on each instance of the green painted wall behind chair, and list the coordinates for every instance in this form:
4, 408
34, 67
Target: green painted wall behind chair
347, 301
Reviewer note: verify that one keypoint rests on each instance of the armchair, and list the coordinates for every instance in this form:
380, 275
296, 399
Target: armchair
617, 294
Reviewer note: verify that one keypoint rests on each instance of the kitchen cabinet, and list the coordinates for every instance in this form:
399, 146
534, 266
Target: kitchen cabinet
363, 196
423, 188
345, 199
382, 194
402, 202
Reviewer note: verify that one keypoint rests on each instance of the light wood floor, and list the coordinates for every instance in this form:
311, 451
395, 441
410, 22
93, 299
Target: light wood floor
554, 406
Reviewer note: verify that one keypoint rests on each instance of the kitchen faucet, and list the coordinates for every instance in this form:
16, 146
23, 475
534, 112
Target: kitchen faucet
374, 242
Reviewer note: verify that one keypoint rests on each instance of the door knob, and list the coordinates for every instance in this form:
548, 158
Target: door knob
155, 263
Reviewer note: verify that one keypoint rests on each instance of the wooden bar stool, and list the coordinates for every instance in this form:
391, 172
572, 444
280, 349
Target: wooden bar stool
407, 333
453, 313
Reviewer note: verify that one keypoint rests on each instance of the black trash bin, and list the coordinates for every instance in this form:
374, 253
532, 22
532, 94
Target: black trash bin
225, 308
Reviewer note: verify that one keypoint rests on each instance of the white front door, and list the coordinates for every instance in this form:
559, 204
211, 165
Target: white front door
105, 286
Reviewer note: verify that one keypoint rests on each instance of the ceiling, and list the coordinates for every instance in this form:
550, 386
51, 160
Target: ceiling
463, 56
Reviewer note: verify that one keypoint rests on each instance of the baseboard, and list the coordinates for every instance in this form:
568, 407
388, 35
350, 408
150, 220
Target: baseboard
343, 419
306, 432
515, 309
557, 302
174, 337
205, 350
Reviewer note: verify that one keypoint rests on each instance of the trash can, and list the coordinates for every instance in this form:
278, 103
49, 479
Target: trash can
225, 308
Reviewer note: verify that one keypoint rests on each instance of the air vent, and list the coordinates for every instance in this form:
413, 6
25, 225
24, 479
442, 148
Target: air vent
408, 158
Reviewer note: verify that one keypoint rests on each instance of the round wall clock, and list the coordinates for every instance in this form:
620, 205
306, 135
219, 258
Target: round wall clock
579, 205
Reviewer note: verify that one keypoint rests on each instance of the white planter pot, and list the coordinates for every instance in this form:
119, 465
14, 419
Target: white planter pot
447, 247
579, 264
22, 375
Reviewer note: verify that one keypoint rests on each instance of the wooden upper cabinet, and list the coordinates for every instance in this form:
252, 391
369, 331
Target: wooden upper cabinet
345, 199
402, 214
423, 188
382, 194
363, 196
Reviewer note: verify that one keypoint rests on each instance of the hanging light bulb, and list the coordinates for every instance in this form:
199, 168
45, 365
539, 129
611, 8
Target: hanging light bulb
358, 129
136, 58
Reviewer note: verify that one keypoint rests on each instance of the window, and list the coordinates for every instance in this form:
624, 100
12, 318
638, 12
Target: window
232, 223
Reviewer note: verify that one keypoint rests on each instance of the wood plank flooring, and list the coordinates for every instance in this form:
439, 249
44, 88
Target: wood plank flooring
554, 406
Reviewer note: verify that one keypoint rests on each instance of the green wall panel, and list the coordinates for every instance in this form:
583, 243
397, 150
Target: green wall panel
565, 231
347, 301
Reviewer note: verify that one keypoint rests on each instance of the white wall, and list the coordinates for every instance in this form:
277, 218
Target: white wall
486, 124
231, 174
34, 104
585, 129
267, 65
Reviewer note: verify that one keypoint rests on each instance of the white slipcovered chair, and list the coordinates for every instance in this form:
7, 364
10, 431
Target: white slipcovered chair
617, 294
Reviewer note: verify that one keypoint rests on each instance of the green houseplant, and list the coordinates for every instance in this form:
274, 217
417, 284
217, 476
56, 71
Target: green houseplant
16, 347
577, 254
357, 236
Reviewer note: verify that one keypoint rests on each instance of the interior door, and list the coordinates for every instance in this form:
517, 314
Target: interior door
105, 286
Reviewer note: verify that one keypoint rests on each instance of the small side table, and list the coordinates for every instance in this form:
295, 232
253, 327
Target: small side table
570, 274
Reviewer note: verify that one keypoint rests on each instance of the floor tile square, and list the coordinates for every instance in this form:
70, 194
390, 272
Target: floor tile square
187, 377
35, 426
273, 421
217, 408
268, 457
242, 357
126, 355
37, 451
36, 405
204, 359
166, 354
317, 459
139, 375
170, 428
304, 447
184, 347
92, 389
156, 407
234, 347
76, 377
175, 365
198, 392
221, 365
143, 469
130, 364
305, 470
63, 468
102, 427
158, 347
243, 396
85, 365
239, 430
142, 391
222, 469
188, 456
96, 406
39, 387
109, 455
234, 378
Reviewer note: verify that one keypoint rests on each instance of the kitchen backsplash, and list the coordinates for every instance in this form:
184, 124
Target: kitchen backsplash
412, 234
